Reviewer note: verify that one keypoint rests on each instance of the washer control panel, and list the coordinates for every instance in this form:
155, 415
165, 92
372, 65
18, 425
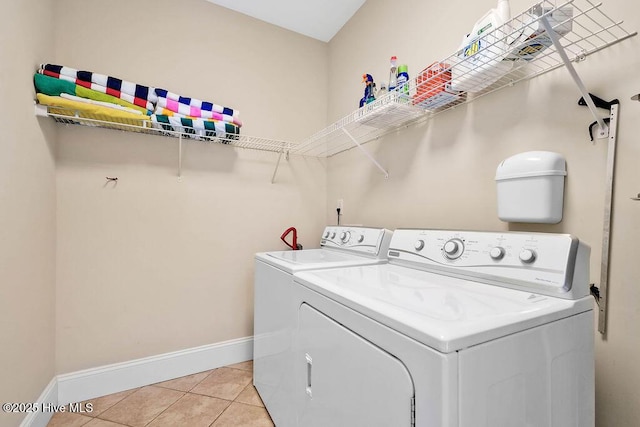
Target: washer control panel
548, 263
364, 240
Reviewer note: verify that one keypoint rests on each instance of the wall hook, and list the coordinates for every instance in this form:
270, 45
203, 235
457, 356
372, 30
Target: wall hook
636, 97
599, 103
636, 198
112, 179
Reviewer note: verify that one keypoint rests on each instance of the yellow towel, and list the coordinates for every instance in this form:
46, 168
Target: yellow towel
70, 108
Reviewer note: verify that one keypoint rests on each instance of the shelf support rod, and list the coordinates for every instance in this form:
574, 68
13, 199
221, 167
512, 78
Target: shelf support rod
375, 162
273, 178
602, 133
606, 228
180, 155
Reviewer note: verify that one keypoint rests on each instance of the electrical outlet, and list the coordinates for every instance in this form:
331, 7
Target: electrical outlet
340, 204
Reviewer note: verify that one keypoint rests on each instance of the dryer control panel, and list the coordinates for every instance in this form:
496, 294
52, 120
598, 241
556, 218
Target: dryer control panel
363, 240
545, 263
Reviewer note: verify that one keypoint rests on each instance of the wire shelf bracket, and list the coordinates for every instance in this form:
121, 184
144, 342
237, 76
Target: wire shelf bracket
275, 171
366, 153
603, 129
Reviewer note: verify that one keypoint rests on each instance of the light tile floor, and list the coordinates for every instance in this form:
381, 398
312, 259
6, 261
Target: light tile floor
223, 397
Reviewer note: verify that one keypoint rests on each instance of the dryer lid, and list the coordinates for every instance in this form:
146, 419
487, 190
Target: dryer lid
442, 312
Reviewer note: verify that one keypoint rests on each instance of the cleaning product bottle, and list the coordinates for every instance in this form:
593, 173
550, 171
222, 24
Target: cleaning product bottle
393, 74
382, 90
403, 79
533, 38
481, 54
369, 90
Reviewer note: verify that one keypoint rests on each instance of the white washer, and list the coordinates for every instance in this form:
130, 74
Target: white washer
459, 329
274, 313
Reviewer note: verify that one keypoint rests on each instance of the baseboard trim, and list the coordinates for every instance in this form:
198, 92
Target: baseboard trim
41, 418
91, 383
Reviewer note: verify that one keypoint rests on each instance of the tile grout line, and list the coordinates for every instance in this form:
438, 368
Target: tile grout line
246, 403
184, 393
122, 424
219, 415
235, 399
212, 397
111, 406
198, 383
165, 409
196, 394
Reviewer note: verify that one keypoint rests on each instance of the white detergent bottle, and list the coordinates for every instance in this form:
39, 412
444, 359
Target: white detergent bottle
480, 58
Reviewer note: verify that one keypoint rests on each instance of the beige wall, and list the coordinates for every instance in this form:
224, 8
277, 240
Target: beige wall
156, 264
442, 172
27, 211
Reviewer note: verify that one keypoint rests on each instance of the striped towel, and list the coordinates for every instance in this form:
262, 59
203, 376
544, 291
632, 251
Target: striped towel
191, 106
199, 128
204, 114
56, 87
142, 96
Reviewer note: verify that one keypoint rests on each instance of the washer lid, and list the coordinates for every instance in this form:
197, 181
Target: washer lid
442, 312
310, 259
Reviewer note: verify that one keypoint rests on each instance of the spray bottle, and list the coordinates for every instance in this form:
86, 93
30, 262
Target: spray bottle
369, 90
393, 74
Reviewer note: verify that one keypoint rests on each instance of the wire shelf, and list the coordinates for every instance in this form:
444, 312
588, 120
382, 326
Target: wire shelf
373, 120
142, 125
582, 27
518, 50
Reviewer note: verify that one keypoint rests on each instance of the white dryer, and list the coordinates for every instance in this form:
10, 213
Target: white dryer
459, 329
275, 315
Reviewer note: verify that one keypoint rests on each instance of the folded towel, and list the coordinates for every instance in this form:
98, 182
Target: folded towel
194, 107
55, 87
91, 95
204, 114
139, 101
102, 104
52, 86
199, 128
103, 97
67, 107
113, 83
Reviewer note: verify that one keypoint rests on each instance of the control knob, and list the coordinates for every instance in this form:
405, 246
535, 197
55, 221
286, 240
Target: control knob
326, 234
419, 245
453, 248
344, 236
361, 238
333, 235
497, 253
527, 256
